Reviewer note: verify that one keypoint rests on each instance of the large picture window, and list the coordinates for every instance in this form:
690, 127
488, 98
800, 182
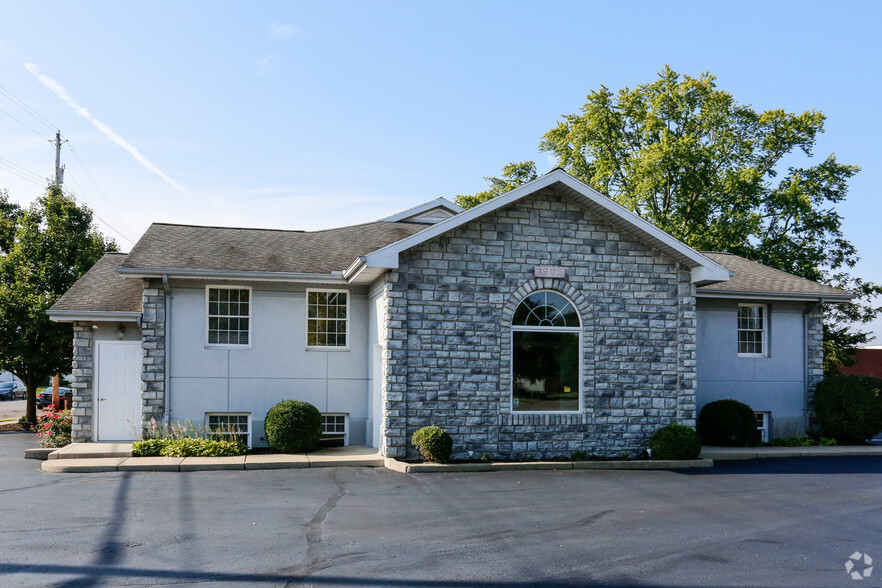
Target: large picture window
229, 316
546, 354
326, 318
752, 329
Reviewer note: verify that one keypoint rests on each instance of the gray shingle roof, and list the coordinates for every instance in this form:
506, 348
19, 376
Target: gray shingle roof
755, 278
261, 250
102, 289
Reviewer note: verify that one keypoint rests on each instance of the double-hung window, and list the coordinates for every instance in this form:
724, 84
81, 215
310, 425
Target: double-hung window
229, 316
752, 330
327, 319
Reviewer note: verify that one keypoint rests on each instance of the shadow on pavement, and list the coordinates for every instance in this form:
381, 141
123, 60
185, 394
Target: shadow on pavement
793, 465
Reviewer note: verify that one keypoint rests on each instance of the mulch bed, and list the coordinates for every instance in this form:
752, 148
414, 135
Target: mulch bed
15, 426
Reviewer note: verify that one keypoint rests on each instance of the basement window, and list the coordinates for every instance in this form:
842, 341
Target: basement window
335, 430
229, 426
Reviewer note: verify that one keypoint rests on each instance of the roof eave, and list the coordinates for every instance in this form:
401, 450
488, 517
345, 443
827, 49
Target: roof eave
783, 296
230, 275
69, 316
424, 207
708, 270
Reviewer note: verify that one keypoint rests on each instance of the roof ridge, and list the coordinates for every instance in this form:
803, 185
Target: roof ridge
302, 231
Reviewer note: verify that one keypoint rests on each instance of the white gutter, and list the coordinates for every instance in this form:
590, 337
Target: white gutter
226, 275
783, 296
68, 316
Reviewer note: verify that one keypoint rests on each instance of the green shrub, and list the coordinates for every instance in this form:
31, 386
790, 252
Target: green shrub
675, 442
293, 426
791, 442
147, 447
580, 456
54, 427
195, 447
849, 408
433, 443
728, 423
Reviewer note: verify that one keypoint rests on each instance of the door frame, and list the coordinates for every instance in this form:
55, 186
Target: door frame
96, 385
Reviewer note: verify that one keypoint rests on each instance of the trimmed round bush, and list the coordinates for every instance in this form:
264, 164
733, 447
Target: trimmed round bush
849, 408
433, 443
728, 423
293, 426
675, 442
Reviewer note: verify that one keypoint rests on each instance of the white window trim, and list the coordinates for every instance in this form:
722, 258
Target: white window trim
345, 426
249, 317
765, 330
230, 414
306, 323
765, 430
552, 330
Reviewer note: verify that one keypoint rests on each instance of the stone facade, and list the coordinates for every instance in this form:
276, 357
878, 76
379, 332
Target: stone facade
448, 336
815, 356
153, 347
83, 376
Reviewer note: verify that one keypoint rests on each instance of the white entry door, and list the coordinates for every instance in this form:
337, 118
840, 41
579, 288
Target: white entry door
118, 390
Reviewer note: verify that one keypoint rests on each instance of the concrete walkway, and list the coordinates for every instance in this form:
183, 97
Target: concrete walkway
112, 457
736, 453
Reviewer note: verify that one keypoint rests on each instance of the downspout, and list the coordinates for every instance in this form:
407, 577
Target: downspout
167, 379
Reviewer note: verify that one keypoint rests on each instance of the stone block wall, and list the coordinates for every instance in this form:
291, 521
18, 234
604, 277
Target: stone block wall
153, 347
815, 359
82, 384
448, 337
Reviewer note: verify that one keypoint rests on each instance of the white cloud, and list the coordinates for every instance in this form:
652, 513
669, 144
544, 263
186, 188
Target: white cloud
108, 132
263, 64
281, 32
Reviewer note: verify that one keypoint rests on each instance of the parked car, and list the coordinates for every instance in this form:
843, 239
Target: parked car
7, 391
44, 398
20, 390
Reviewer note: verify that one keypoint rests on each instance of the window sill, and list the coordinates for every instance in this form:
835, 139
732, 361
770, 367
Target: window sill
327, 349
209, 346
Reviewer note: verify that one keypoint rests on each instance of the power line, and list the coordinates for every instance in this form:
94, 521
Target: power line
35, 175
36, 132
98, 187
15, 172
21, 104
125, 234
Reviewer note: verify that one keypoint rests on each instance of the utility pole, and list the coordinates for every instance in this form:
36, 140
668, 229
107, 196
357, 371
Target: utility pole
59, 169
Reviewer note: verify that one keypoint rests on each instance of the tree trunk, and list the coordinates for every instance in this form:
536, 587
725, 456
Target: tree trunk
31, 412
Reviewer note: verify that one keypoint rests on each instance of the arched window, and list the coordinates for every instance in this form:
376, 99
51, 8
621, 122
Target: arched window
546, 354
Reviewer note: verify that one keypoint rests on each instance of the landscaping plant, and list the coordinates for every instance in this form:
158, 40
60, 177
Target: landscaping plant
727, 423
187, 440
433, 443
54, 427
849, 408
293, 426
675, 442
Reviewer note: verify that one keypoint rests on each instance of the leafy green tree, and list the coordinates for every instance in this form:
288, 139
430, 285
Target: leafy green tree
513, 175
53, 243
687, 157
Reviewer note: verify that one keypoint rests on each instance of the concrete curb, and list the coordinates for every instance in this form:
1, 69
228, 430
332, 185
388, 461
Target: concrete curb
414, 468
741, 453
196, 464
38, 453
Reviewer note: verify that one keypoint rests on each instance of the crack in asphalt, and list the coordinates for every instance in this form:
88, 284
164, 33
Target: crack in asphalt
316, 559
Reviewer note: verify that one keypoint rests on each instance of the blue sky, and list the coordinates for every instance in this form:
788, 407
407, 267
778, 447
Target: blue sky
320, 114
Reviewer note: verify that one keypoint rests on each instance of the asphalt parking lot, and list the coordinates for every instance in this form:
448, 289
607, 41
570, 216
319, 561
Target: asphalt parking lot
12, 409
771, 522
